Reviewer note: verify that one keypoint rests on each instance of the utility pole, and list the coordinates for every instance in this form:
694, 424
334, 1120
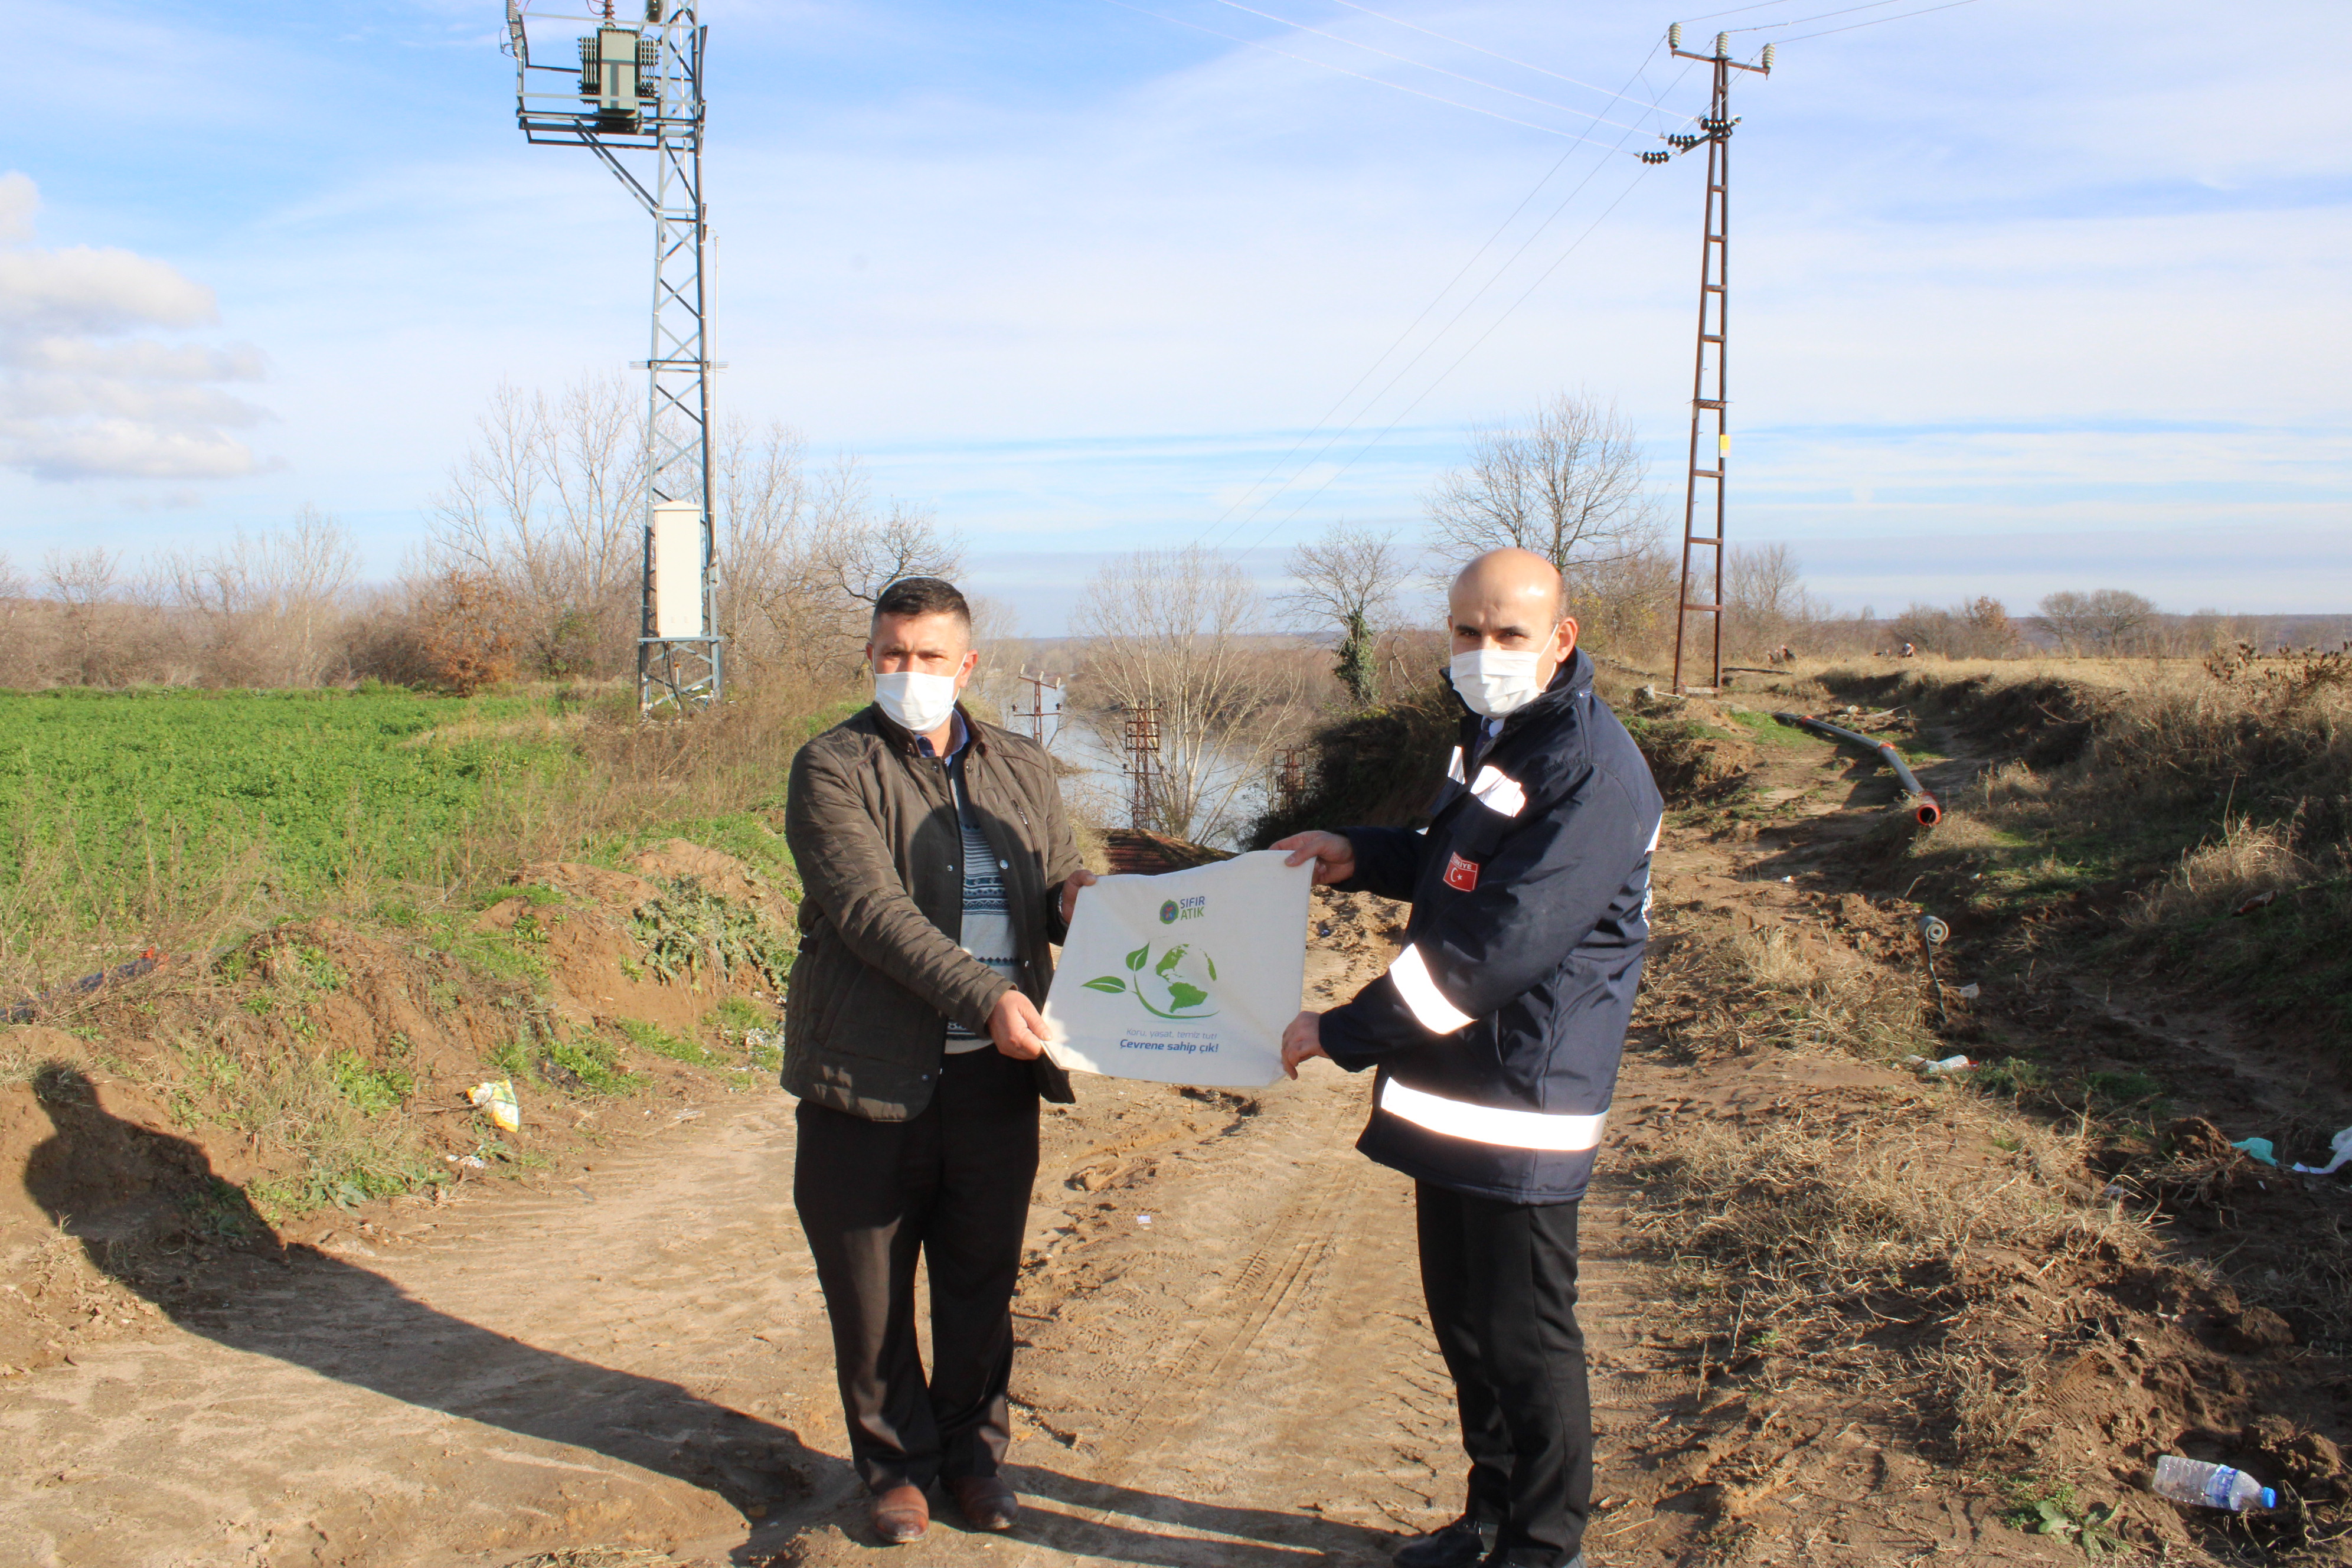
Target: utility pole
1143, 745
636, 88
1039, 685
1290, 779
1700, 532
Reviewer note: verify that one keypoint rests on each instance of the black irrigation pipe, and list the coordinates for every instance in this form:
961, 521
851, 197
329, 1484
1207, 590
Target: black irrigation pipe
25, 1012
1924, 807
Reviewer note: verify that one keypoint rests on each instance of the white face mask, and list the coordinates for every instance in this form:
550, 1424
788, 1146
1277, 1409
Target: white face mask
916, 701
1496, 681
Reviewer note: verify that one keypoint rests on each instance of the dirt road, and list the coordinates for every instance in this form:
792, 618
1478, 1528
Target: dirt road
1226, 1361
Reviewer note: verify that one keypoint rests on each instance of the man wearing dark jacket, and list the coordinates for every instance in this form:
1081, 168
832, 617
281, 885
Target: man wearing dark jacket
936, 870
1497, 1032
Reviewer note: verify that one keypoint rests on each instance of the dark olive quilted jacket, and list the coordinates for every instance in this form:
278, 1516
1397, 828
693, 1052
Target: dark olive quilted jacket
873, 829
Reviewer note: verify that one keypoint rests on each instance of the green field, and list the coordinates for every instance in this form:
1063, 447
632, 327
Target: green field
117, 803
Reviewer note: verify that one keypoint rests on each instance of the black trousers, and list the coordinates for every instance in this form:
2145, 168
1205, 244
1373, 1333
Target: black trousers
951, 1185
1500, 1281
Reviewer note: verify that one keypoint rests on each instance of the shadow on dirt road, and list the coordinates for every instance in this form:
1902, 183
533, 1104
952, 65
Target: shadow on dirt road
300, 1306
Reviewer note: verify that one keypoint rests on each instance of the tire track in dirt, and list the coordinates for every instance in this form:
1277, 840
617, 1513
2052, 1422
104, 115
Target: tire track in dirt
641, 1360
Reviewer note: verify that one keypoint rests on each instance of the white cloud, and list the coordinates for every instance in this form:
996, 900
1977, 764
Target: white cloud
19, 201
81, 400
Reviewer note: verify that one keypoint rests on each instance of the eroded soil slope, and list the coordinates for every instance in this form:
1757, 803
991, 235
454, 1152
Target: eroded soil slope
1226, 1359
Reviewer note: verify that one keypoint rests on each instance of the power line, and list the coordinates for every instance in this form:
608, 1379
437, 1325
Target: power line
1376, 81
1389, 385
1425, 348
1825, 31
1411, 328
1506, 59
1420, 397
1457, 76
1739, 10
1821, 16
1414, 325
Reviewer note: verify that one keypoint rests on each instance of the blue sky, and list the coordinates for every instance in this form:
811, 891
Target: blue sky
2024, 297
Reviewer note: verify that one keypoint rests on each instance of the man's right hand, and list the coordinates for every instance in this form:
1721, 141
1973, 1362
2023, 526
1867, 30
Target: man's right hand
1334, 857
1016, 1027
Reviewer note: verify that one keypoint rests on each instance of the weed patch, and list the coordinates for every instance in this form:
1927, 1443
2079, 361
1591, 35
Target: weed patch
657, 1041
690, 930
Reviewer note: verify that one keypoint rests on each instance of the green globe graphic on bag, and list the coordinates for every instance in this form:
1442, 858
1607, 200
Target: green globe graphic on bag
1182, 978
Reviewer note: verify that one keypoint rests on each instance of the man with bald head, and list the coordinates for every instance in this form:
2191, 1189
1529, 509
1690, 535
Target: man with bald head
1496, 1033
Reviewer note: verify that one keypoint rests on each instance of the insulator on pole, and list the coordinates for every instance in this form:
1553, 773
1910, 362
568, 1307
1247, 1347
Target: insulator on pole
1767, 59
1674, 37
1723, 45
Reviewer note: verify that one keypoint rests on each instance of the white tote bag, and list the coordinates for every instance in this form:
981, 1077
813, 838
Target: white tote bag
1189, 977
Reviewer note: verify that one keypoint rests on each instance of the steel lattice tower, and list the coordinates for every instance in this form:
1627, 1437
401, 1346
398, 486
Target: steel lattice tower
1713, 335
638, 91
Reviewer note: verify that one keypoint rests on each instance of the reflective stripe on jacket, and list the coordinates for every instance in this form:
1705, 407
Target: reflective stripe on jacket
1498, 1027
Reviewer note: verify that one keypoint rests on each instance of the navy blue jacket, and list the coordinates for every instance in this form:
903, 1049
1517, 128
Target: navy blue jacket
1498, 1028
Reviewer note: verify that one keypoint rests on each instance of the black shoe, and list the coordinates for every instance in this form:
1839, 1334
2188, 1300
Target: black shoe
1461, 1545
1500, 1558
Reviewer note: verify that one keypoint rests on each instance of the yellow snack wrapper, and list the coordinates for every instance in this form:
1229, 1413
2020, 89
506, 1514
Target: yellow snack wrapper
498, 1098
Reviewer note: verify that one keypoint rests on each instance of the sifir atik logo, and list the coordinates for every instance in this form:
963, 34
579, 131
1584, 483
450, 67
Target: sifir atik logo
1182, 977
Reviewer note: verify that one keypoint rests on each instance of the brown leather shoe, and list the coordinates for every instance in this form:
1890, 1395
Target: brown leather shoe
986, 1502
900, 1515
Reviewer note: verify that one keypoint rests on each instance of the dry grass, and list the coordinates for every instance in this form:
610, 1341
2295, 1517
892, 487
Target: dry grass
2223, 876
2159, 797
1879, 1217
1772, 988
1860, 1236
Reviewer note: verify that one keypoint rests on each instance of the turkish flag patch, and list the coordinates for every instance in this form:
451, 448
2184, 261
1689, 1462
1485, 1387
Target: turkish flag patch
1462, 874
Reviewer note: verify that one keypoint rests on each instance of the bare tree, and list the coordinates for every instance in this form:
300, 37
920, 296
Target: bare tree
269, 606
1171, 629
2067, 615
865, 553
550, 501
2120, 621
1567, 485
88, 585
1350, 578
2111, 622
1978, 628
776, 607
1764, 592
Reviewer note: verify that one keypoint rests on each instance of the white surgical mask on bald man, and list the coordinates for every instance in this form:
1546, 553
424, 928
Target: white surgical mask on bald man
1496, 681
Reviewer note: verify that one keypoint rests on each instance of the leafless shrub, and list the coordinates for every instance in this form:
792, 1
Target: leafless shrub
1979, 629
2111, 622
101, 636
267, 610
1766, 606
548, 503
1624, 605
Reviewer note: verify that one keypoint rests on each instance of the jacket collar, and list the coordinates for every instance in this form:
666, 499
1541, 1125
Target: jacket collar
903, 741
1571, 681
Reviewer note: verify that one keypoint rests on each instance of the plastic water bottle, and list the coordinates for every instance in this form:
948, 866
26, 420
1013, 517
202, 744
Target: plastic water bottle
2201, 1485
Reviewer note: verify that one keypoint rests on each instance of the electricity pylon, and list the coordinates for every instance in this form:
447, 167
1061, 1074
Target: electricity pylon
1714, 311
638, 90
